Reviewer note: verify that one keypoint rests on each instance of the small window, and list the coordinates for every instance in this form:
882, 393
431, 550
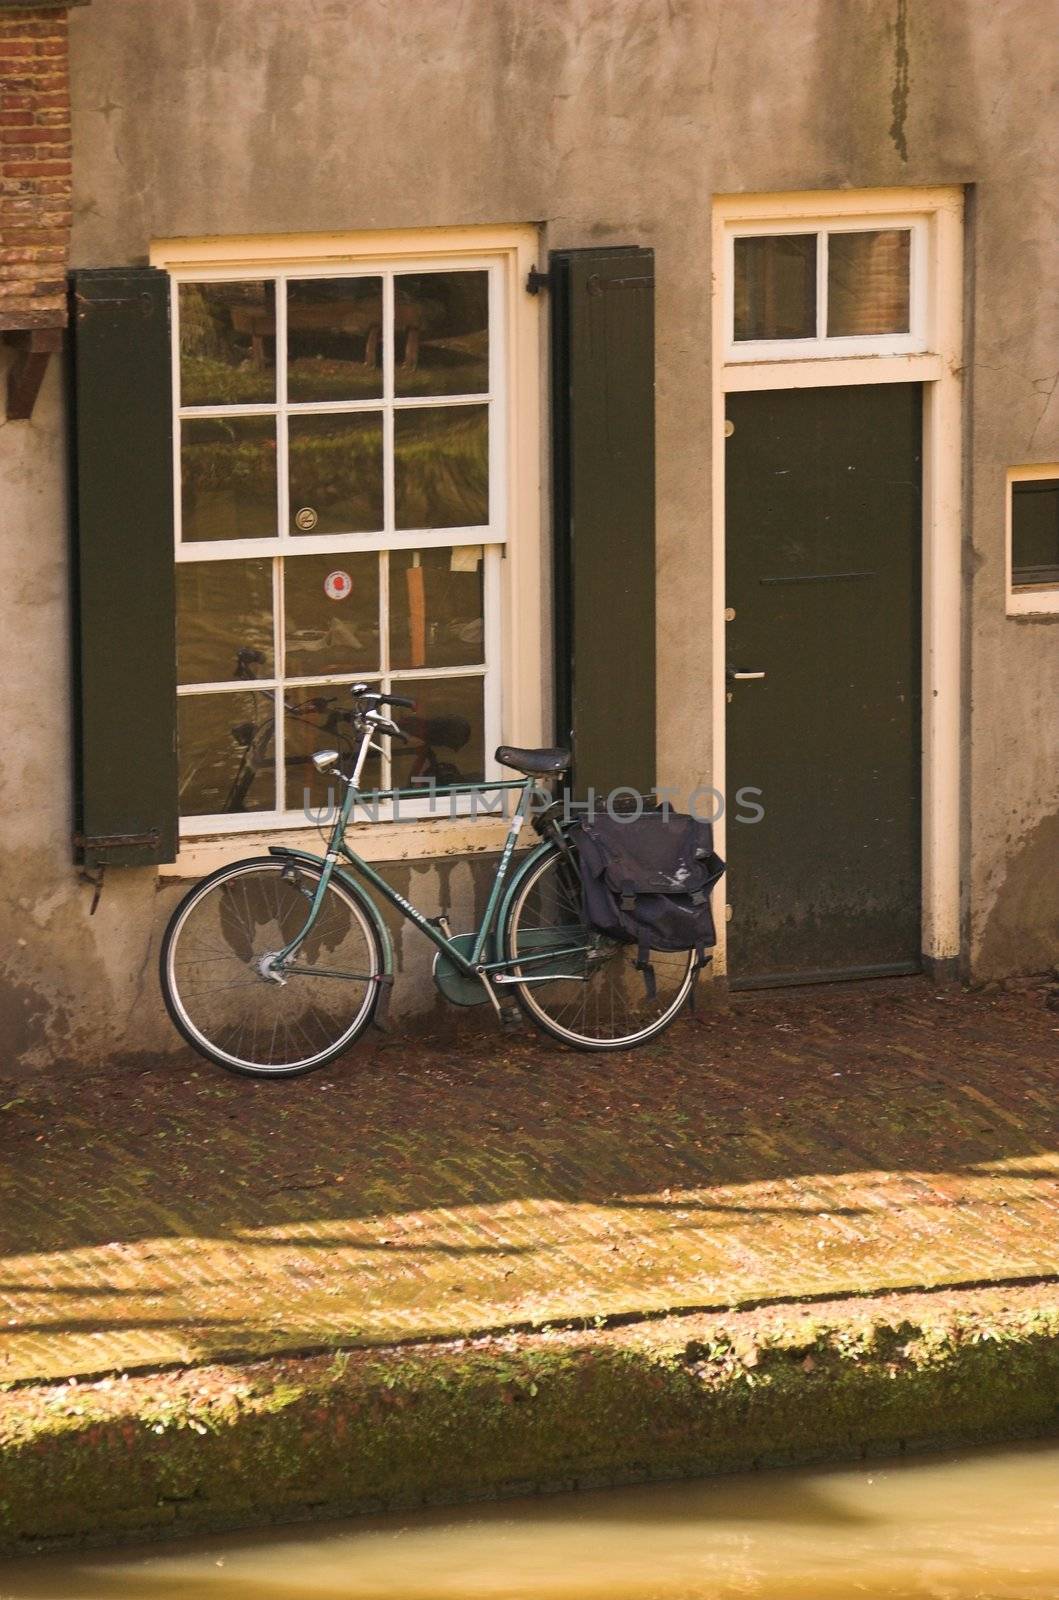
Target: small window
842, 289
1035, 532
1033, 540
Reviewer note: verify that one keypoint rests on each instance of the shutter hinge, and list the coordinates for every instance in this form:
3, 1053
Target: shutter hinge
537, 280
600, 285
92, 302
116, 841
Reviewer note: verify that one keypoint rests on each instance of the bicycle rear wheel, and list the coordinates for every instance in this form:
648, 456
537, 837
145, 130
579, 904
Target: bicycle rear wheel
216, 980
598, 1001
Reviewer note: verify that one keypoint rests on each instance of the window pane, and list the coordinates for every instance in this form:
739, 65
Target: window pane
316, 720
227, 343
227, 759
447, 731
441, 467
336, 473
867, 282
331, 610
334, 339
1035, 531
437, 609
775, 287
441, 333
224, 620
228, 478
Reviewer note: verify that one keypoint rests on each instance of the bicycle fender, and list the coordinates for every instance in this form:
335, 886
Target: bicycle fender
385, 942
531, 861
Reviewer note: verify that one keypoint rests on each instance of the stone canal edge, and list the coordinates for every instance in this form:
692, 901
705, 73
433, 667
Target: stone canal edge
251, 1443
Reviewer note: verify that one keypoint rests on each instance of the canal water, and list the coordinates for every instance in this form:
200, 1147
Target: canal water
983, 1526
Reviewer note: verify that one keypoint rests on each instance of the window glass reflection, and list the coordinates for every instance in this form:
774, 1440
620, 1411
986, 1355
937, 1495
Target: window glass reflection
437, 612
317, 719
775, 287
441, 467
441, 333
228, 478
868, 282
1035, 531
446, 731
331, 612
227, 343
226, 748
224, 620
336, 473
334, 339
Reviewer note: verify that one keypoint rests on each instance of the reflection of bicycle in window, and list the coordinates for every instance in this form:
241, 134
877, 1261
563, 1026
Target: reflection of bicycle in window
429, 739
426, 736
274, 965
254, 738
257, 742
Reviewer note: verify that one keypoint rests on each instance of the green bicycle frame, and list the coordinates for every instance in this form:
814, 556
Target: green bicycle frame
474, 965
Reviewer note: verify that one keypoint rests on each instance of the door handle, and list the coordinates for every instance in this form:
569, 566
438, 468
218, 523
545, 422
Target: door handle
732, 675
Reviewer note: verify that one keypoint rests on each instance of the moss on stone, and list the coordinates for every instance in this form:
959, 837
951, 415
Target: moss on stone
366, 1430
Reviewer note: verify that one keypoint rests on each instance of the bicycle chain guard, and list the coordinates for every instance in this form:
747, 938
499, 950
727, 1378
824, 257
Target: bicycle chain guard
455, 985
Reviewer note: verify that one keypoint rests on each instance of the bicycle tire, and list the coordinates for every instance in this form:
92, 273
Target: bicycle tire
549, 887
274, 892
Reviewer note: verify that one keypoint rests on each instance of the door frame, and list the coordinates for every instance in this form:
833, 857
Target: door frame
938, 369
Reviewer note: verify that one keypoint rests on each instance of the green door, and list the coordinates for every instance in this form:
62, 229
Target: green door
823, 590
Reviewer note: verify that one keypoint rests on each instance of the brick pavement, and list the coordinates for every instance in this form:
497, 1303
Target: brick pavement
858, 1139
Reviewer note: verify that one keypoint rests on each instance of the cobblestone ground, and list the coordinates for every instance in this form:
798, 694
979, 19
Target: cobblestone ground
864, 1138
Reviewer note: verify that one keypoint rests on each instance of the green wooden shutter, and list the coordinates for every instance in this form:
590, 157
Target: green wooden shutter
604, 500
125, 657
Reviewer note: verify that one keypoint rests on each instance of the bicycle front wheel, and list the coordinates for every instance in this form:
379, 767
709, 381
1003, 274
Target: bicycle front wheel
594, 999
232, 1006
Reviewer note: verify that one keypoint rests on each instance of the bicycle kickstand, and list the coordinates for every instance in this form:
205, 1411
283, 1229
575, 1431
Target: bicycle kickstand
509, 1016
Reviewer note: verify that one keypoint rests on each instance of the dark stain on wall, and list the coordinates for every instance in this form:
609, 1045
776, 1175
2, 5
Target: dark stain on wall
417, 1006
27, 1018
899, 93
862, 125
1022, 932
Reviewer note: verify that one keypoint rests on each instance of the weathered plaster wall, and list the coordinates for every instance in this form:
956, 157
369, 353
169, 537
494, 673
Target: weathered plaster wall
608, 121
74, 986
1013, 767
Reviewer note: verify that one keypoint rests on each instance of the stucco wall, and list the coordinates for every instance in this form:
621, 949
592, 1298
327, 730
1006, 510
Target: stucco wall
76, 986
608, 121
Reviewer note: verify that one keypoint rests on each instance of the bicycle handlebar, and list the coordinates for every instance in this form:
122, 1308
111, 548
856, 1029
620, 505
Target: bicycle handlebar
360, 691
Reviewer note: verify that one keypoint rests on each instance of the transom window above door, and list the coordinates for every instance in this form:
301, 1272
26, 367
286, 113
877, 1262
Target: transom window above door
797, 289
341, 512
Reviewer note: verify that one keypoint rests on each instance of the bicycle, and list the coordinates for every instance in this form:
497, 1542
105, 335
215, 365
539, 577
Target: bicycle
273, 966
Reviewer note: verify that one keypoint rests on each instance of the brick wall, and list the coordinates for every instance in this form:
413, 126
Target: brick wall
35, 169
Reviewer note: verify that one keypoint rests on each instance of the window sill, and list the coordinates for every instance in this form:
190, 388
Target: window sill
818, 370
375, 841
1033, 602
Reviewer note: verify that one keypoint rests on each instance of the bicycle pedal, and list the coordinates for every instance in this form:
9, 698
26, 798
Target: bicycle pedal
510, 1019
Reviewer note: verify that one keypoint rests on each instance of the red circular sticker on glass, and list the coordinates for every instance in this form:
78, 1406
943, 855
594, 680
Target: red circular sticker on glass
338, 585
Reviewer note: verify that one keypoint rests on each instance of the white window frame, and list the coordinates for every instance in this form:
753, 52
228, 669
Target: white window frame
821, 344
1026, 599
517, 646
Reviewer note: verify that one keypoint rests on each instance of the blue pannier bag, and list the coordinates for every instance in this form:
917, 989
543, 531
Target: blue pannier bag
646, 880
